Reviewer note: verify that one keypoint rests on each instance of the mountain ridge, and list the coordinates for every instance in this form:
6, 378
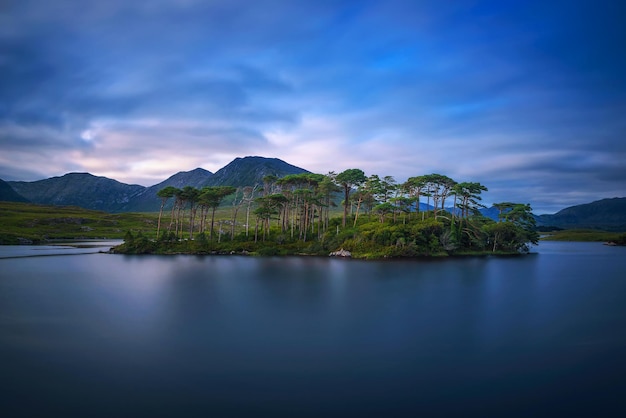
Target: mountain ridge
101, 193
78, 189
606, 214
249, 171
145, 200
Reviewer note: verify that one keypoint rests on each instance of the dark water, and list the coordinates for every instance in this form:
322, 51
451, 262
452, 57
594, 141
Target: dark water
127, 336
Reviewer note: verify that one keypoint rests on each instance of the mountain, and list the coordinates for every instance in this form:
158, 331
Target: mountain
198, 178
605, 214
249, 171
246, 171
492, 213
148, 201
78, 189
101, 193
7, 194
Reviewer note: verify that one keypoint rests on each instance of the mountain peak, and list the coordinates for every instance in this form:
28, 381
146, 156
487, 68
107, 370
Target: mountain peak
248, 171
198, 177
197, 170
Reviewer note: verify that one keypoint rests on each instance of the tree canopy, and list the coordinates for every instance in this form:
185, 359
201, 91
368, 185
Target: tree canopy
293, 214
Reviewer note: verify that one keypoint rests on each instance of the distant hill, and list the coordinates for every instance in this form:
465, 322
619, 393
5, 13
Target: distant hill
492, 213
148, 201
605, 214
7, 194
240, 172
78, 189
100, 193
249, 171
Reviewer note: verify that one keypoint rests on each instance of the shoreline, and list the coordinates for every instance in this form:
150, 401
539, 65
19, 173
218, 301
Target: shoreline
352, 256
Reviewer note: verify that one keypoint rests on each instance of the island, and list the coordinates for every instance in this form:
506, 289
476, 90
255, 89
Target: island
344, 214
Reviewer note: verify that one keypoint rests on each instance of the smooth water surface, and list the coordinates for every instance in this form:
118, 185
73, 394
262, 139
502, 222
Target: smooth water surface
59, 248
218, 336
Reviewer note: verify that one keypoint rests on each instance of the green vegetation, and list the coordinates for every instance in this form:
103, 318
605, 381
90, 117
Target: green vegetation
369, 239
303, 214
585, 235
23, 222
292, 215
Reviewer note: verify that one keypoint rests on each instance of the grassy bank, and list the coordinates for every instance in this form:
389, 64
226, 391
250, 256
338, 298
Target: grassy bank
584, 235
371, 237
23, 222
241, 246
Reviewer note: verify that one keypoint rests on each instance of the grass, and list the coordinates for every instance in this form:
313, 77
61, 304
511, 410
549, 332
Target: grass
583, 235
23, 222
38, 223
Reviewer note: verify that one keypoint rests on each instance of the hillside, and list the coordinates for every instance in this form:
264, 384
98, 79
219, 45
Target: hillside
249, 171
100, 193
147, 200
245, 171
7, 194
605, 214
78, 189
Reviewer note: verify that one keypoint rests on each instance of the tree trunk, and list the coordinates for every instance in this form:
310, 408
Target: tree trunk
160, 214
212, 222
358, 207
346, 202
232, 227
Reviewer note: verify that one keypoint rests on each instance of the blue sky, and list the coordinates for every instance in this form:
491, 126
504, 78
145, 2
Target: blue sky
526, 97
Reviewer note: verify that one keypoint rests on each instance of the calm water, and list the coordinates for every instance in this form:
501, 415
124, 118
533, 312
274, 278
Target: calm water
129, 336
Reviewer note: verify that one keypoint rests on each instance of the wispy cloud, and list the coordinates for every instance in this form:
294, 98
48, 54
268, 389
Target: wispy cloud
525, 97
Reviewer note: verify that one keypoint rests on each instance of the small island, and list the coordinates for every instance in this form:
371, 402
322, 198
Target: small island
345, 215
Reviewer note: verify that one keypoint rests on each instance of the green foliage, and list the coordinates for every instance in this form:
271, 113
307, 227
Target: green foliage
202, 239
370, 239
268, 250
348, 179
137, 244
292, 215
129, 239
428, 227
509, 237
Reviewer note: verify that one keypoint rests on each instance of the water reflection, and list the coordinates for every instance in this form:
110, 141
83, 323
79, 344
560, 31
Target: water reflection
241, 336
60, 248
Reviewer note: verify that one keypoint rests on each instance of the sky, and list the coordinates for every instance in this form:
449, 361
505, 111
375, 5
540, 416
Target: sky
525, 97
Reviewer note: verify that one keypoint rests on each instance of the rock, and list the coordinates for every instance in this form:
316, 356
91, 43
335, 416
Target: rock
340, 253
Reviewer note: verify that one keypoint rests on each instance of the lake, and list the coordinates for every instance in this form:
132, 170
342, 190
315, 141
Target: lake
102, 335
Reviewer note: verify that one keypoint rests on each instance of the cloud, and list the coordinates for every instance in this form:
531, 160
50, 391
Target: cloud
527, 98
